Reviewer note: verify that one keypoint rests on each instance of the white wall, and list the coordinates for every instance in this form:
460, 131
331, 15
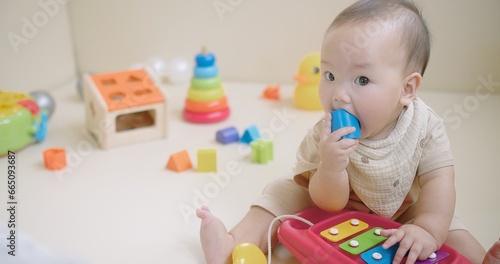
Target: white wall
36, 48
254, 40
264, 41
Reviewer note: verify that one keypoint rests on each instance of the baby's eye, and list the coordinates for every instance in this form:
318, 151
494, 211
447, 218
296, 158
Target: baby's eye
315, 70
329, 76
362, 80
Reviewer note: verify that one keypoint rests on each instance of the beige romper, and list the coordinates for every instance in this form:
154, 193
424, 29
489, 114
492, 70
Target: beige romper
417, 145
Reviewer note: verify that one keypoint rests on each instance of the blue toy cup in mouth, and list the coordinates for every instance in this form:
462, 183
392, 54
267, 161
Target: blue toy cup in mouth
341, 118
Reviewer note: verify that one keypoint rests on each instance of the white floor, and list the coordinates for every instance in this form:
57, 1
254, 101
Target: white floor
123, 206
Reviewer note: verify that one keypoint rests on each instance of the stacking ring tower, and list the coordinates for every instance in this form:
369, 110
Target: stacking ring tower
206, 100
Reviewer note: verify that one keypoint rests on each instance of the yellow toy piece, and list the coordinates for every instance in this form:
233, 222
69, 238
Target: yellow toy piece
9, 102
344, 229
207, 160
245, 253
306, 94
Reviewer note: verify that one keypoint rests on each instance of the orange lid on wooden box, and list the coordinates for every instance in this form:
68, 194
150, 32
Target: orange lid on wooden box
127, 89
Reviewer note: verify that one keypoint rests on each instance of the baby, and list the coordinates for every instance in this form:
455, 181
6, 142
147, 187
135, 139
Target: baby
373, 57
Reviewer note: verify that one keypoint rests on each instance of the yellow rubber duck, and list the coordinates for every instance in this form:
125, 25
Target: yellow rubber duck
306, 94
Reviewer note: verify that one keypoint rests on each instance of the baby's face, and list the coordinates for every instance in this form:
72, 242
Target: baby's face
363, 74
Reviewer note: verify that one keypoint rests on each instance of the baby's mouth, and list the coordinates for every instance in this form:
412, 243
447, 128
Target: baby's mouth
342, 118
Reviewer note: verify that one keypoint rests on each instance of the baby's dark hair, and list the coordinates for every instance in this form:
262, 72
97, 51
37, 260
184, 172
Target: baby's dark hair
404, 14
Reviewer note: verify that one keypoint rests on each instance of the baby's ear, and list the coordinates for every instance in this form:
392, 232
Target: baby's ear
411, 85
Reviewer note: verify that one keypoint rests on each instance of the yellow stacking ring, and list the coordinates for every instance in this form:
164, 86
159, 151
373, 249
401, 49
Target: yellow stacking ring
206, 107
197, 95
205, 83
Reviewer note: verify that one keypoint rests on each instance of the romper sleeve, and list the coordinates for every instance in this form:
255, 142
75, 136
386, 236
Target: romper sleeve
307, 156
436, 146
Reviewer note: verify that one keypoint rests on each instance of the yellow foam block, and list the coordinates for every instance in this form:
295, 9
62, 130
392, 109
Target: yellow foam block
207, 160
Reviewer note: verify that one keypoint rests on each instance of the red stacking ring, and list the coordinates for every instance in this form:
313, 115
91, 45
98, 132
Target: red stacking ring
211, 117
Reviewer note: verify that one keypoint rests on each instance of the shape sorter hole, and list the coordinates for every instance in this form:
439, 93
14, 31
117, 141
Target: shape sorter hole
108, 82
132, 78
117, 96
135, 120
142, 92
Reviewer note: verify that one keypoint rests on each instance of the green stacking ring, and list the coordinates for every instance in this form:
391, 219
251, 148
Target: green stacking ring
207, 95
205, 83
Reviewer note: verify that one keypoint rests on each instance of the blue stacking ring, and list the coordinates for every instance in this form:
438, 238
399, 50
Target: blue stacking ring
206, 72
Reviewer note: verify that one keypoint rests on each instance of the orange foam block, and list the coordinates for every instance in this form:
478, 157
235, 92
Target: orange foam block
179, 161
54, 158
272, 92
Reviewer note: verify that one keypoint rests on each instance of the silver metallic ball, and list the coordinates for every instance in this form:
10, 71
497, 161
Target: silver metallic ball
44, 101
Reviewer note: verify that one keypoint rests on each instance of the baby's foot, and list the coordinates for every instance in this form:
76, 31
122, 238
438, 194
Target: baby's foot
216, 242
493, 255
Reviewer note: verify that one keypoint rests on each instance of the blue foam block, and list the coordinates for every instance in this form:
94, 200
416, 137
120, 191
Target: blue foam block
342, 118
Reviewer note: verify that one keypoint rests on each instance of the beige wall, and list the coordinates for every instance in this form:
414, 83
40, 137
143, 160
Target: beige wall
36, 48
254, 40
262, 40
466, 43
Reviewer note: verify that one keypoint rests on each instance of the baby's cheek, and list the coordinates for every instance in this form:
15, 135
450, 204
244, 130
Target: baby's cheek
365, 127
363, 132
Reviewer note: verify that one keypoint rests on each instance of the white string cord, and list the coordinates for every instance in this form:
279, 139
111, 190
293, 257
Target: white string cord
269, 232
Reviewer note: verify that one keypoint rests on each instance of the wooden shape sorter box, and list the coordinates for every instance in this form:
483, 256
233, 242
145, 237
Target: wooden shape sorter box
124, 107
347, 237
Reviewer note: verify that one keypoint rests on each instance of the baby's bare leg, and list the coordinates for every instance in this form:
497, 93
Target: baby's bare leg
218, 244
283, 195
254, 227
467, 245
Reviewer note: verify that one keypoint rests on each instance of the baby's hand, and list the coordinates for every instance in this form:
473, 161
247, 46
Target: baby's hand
412, 239
334, 153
